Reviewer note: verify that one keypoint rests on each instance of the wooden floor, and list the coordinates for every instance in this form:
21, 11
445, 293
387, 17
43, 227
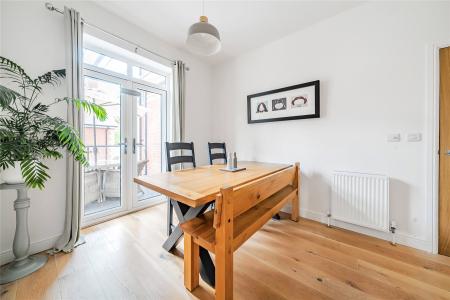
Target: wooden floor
123, 259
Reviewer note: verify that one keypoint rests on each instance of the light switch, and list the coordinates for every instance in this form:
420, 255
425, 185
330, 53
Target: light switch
394, 137
414, 137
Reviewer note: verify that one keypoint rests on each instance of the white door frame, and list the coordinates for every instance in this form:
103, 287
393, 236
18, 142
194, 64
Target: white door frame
433, 144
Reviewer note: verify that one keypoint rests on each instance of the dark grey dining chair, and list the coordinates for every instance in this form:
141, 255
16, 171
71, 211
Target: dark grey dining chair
217, 155
178, 158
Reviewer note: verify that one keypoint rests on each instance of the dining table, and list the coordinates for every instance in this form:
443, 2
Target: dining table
193, 191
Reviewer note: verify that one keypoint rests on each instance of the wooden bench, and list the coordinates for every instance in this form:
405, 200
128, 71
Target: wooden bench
239, 212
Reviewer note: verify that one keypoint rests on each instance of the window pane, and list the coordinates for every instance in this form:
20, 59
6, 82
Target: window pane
105, 62
148, 139
102, 179
148, 76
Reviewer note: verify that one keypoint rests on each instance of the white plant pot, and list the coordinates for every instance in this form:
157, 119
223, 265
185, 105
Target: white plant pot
12, 175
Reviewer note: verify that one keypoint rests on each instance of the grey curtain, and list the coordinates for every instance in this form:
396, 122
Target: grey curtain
178, 116
74, 77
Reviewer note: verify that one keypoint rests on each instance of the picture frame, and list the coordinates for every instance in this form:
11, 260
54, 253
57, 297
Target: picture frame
301, 101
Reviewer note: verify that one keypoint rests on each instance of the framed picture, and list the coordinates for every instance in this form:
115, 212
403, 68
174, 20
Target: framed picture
301, 101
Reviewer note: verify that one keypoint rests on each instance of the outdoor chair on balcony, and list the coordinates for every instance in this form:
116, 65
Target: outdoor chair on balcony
92, 186
111, 184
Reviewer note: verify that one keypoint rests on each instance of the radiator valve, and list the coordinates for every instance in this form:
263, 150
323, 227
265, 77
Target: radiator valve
392, 229
329, 219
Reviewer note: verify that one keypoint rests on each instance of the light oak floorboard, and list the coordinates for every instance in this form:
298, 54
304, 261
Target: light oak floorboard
123, 259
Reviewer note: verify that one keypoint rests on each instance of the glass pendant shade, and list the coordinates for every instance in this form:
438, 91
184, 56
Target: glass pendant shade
203, 38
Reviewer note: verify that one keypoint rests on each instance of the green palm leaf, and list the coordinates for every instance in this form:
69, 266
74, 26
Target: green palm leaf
53, 77
7, 96
49, 153
34, 172
88, 106
70, 139
13, 71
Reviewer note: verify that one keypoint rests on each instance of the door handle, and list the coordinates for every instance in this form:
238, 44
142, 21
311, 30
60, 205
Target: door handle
125, 145
135, 145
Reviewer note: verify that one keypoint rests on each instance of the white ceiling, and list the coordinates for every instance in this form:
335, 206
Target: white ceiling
243, 25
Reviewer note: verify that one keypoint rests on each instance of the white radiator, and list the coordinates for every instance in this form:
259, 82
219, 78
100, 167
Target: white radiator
361, 199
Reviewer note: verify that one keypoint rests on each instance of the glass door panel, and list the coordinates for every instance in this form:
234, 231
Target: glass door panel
148, 139
103, 141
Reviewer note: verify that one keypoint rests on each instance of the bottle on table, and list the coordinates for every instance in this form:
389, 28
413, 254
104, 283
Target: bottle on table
230, 161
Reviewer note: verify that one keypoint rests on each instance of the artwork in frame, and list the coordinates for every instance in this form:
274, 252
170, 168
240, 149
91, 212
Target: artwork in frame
301, 101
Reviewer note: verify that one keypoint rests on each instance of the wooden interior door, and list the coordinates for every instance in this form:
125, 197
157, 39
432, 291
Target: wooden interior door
444, 152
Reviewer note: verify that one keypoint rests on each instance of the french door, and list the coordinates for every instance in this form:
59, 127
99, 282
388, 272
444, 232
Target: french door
127, 144
149, 115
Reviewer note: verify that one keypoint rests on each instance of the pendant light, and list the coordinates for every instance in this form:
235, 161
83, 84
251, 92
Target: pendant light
203, 38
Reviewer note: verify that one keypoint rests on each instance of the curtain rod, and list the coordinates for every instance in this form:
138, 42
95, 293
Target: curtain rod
51, 7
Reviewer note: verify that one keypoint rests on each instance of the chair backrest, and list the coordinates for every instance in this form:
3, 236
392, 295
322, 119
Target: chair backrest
217, 155
248, 195
182, 158
234, 201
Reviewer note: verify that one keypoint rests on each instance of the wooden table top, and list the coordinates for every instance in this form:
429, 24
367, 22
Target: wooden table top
198, 186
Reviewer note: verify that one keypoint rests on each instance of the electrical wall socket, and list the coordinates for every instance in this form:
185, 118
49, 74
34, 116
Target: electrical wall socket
393, 137
414, 137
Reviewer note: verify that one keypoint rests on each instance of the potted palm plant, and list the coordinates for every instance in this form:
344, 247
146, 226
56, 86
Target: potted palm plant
28, 134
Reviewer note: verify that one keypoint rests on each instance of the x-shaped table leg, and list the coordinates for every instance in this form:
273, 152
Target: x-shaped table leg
186, 213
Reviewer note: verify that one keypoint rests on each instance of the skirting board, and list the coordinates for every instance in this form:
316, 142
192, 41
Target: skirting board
35, 247
402, 238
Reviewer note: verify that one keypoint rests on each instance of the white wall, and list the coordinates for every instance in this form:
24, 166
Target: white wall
1, 28
372, 64
34, 38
